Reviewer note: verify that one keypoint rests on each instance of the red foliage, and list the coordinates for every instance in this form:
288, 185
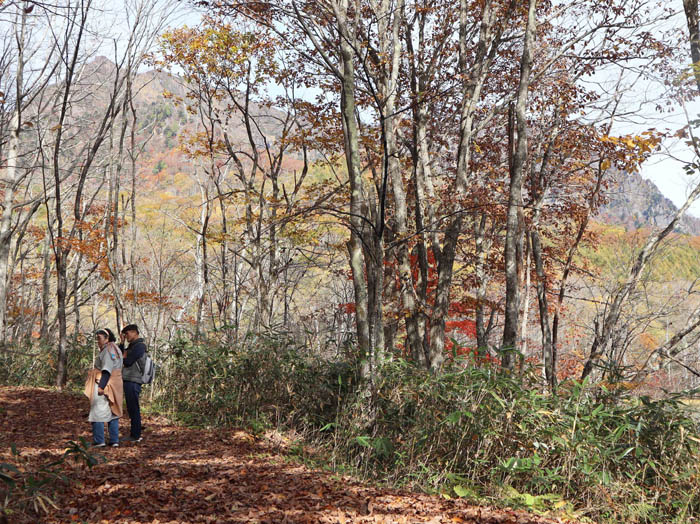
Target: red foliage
347, 308
569, 366
144, 297
466, 327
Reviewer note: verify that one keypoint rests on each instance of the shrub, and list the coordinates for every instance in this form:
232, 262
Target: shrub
27, 489
472, 431
478, 431
35, 364
270, 380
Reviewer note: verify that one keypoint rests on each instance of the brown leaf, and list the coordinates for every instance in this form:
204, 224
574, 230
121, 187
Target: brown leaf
182, 472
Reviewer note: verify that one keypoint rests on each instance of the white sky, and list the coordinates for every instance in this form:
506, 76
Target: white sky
666, 171
665, 167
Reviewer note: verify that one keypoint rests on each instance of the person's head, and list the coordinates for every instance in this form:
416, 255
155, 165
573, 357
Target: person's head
103, 336
130, 332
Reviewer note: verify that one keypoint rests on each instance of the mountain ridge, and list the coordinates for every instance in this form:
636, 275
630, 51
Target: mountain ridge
635, 203
632, 201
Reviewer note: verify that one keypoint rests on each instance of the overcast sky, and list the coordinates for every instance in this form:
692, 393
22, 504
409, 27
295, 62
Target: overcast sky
665, 168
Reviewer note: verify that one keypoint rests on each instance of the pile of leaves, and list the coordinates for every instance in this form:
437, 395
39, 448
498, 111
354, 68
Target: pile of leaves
185, 475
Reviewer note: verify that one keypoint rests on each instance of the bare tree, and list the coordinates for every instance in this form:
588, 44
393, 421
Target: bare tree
73, 136
29, 67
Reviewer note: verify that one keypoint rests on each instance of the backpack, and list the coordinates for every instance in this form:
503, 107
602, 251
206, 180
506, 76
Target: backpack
148, 368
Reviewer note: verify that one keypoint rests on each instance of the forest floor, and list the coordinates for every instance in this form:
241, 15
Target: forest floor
182, 475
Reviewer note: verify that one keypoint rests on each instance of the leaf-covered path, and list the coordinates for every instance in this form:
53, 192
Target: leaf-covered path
181, 475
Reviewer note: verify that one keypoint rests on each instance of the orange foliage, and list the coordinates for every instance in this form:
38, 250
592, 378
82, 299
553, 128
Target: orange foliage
145, 297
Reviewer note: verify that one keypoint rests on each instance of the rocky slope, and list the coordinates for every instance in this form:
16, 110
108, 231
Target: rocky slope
635, 203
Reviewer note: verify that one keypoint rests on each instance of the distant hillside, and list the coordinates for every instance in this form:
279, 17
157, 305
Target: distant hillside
615, 249
636, 203
633, 202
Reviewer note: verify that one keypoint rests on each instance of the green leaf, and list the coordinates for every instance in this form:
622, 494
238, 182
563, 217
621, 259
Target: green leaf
529, 500
7, 480
9, 467
329, 426
462, 491
454, 417
498, 399
364, 440
627, 452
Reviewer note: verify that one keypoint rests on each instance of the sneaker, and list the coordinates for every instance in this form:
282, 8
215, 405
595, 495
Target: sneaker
115, 445
132, 439
96, 445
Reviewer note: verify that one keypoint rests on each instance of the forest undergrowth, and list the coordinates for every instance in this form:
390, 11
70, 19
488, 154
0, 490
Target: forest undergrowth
472, 431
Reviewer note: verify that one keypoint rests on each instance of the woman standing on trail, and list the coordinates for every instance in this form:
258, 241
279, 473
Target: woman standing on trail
105, 390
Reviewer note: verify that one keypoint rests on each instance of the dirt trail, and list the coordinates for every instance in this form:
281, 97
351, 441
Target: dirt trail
180, 475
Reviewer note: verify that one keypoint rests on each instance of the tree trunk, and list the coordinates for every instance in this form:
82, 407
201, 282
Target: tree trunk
389, 20
548, 353
442, 294
202, 262
526, 304
427, 241
357, 205
45, 290
6, 218
515, 200
693, 19
62, 351
11, 174
112, 217
483, 245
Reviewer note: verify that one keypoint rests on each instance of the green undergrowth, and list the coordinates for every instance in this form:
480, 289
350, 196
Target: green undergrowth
479, 433
273, 383
471, 431
35, 364
27, 489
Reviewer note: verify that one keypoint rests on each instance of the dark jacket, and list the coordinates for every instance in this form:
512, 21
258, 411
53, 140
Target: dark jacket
133, 364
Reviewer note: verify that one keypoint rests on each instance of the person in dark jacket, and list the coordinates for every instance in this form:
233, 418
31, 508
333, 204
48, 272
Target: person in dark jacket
133, 367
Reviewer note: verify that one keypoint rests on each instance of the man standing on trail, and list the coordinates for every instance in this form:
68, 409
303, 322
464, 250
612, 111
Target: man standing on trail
133, 368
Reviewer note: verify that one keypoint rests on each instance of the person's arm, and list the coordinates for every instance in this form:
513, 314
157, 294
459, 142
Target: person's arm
103, 381
134, 353
106, 368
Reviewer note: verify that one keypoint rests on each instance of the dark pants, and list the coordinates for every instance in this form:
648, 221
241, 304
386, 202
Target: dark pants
132, 390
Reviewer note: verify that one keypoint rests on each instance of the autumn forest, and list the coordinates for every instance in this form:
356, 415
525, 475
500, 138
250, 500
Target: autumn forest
405, 241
